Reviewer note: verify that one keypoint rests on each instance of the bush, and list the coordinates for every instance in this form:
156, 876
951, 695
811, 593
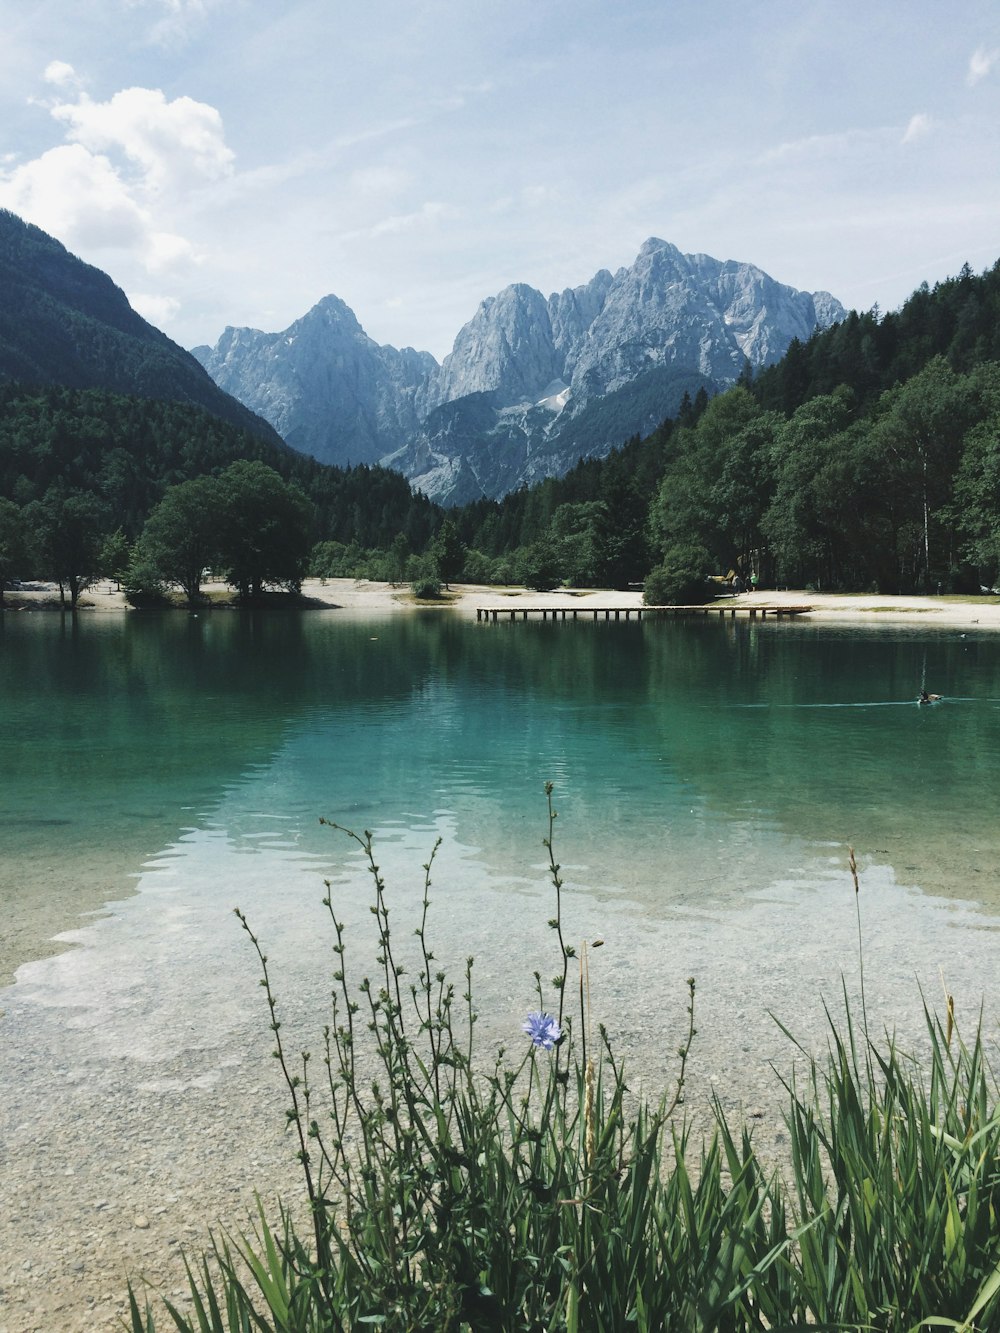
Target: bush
143, 584
540, 569
426, 587
681, 579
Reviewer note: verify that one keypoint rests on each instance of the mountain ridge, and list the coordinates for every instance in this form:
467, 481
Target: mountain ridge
335, 393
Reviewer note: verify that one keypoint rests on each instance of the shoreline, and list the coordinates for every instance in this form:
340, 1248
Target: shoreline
361, 596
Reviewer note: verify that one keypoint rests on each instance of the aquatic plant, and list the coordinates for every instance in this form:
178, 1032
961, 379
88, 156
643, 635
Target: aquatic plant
450, 1189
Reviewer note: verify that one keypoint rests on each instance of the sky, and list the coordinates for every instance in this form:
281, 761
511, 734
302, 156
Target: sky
231, 162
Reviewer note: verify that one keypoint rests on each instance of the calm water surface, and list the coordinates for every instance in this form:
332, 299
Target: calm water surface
708, 779
692, 762
667, 739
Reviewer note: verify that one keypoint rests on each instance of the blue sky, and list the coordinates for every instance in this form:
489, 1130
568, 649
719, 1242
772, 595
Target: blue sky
233, 161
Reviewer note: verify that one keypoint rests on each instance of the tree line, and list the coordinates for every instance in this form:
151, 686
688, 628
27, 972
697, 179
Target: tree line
246, 522
901, 497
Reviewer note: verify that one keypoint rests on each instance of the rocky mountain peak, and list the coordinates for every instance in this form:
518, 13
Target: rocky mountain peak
572, 312
332, 311
662, 254
506, 347
654, 245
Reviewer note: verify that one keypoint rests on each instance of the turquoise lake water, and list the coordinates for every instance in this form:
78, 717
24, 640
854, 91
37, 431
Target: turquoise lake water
708, 778
668, 740
695, 764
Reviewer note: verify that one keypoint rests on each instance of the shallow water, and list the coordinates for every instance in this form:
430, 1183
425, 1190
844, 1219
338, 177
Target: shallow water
708, 778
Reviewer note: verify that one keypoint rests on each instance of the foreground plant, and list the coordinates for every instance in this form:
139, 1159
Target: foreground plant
448, 1191
896, 1169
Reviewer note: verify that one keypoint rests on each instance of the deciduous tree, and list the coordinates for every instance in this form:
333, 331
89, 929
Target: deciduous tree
183, 534
68, 532
13, 543
266, 529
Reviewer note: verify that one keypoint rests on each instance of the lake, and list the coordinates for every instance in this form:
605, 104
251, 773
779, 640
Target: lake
160, 769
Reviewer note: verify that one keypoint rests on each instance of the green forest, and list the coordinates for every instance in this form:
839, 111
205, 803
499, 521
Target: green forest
868, 458
83, 472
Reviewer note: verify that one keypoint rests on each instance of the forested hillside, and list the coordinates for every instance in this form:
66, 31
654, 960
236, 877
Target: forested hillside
128, 451
102, 417
83, 471
64, 322
958, 319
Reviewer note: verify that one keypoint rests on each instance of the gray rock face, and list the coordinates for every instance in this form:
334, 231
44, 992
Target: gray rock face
573, 312
692, 311
325, 386
506, 348
518, 397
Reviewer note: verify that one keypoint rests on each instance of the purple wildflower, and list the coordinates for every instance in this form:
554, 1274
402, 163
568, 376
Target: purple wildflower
543, 1030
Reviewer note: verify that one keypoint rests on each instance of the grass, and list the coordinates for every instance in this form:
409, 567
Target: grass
448, 1188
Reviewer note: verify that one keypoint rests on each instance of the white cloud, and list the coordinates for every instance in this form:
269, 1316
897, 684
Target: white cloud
537, 196
158, 310
176, 21
130, 163
429, 214
173, 144
980, 64
818, 146
175, 10
380, 180
919, 126
164, 250
78, 196
60, 74
381, 130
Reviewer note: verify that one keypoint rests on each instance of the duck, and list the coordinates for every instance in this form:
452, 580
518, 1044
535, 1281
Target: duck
926, 698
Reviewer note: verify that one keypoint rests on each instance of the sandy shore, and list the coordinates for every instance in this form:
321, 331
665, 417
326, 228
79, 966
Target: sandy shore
359, 595
866, 608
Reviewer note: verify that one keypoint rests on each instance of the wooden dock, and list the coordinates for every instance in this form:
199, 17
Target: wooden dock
498, 613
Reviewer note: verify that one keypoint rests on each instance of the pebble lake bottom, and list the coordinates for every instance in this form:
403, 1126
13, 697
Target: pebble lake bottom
708, 777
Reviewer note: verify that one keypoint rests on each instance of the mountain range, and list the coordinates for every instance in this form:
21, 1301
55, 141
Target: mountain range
531, 384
